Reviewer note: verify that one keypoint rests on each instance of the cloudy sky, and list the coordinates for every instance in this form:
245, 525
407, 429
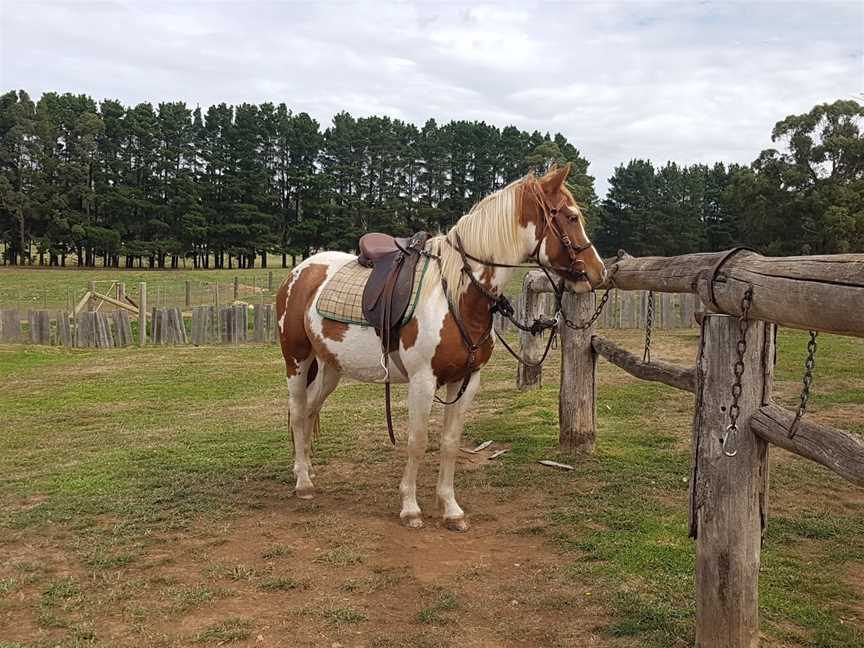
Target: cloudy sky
686, 81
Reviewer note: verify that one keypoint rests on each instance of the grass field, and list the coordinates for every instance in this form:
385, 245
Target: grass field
145, 500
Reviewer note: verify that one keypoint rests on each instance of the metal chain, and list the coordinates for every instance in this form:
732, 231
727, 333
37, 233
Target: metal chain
809, 365
730, 441
597, 311
649, 322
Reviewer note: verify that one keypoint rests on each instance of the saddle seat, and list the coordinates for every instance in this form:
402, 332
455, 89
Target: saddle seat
375, 246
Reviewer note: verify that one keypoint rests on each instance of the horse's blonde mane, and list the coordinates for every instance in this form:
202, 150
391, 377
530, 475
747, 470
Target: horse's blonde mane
489, 231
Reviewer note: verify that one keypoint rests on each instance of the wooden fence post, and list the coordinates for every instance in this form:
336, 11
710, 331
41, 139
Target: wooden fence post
64, 331
188, 294
236, 288
142, 313
577, 401
531, 346
728, 495
40, 327
10, 326
91, 303
270, 281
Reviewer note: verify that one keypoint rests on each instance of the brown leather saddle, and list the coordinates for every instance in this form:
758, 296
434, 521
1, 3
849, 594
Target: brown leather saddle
388, 290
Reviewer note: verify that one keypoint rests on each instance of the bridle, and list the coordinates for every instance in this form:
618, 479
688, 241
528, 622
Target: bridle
551, 215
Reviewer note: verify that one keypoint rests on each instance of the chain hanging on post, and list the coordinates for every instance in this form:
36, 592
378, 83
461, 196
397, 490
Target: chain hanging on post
730, 441
597, 311
809, 365
649, 322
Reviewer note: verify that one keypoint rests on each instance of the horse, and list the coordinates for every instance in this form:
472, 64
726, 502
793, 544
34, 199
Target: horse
447, 340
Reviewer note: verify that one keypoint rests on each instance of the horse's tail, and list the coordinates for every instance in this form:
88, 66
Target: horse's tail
310, 377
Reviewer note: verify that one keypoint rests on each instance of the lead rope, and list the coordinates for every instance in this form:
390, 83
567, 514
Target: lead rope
809, 365
730, 441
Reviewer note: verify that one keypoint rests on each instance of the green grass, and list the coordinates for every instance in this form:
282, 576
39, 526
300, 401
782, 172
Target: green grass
434, 613
229, 631
107, 450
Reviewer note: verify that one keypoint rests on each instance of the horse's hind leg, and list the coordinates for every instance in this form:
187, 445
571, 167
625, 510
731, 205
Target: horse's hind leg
325, 382
451, 436
298, 410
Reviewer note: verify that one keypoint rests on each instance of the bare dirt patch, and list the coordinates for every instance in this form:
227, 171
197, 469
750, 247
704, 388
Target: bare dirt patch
339, 570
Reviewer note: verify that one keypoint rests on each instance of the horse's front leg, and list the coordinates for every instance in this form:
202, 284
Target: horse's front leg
421, 391
451, 437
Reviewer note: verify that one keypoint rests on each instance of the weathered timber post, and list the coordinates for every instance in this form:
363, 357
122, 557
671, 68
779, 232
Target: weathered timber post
531, 346
236, 288
188, 294
121, 291
64, 331
728, 495
577, 400
270, 281
91, 303
142, 313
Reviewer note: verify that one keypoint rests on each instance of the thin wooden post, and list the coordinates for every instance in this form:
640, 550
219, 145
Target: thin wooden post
270, 281
577, 401
142, 313
728, 495
91, 304
121, 291
236, 288
188, 294
531, 346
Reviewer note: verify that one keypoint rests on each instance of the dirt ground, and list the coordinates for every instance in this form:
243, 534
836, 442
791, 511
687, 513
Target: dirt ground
337, 571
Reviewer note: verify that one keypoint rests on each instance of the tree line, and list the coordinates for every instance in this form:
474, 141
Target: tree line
157, 186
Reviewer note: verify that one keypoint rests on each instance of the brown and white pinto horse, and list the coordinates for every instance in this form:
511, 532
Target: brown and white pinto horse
530, 218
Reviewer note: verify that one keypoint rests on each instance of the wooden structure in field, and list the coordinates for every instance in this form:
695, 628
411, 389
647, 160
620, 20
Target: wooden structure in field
728, 485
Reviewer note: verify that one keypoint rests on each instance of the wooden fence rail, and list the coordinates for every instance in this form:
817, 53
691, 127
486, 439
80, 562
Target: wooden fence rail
656, 370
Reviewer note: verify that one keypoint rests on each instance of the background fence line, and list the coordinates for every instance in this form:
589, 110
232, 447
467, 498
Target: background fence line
232, 324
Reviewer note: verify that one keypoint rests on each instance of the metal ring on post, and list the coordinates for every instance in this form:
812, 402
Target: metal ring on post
731, 434
716, 270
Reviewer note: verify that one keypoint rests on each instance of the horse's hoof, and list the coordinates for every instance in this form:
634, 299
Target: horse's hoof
460, 524
304, 493
412, 521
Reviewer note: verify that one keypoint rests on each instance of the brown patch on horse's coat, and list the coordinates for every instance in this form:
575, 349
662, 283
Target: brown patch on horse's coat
333, 329
487, 277
450, 361
408, 333
293, 300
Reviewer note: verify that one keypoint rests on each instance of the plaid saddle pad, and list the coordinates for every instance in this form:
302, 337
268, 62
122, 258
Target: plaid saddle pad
342, 297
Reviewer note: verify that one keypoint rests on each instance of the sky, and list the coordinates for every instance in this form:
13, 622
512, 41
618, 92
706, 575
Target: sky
683, 81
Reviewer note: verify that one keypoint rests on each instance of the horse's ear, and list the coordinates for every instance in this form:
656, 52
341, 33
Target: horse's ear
555, 178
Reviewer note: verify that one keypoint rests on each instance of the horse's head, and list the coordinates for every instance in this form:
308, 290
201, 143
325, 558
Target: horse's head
559, 228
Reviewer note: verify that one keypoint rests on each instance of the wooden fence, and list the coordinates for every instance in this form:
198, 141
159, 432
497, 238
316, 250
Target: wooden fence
728, 494
163, 326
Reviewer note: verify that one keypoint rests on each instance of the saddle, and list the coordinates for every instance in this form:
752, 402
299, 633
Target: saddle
388, 291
